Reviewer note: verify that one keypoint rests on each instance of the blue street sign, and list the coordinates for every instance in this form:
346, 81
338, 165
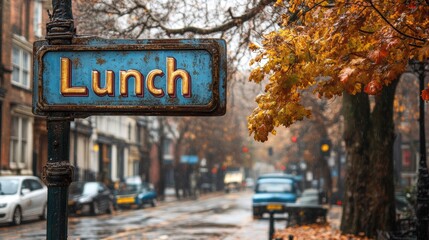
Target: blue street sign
139, 77
189, 159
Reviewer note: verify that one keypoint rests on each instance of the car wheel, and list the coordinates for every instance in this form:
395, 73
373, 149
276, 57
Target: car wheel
153, 203
44, 215
17, 216
95, 209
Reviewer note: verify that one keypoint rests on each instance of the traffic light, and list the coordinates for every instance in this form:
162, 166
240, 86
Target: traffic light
325, 147
245, 149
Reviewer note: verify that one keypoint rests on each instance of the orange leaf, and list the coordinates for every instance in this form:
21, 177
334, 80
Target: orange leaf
425, 94
378, 55
373, 88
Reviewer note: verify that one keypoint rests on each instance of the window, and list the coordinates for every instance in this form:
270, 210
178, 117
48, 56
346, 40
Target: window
37, 20
9, 186
167, 147
26, 185
19, 140
35, 185
21, 67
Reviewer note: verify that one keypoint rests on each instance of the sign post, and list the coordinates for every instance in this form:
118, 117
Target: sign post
76, 77
57, 174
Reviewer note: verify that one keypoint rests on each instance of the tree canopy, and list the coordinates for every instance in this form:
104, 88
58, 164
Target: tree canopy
327, 47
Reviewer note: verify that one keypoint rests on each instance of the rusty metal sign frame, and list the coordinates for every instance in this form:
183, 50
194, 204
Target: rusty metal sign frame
215, 47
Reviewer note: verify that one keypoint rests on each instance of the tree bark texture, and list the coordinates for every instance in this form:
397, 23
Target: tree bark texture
356, 112
381, 185
369, 137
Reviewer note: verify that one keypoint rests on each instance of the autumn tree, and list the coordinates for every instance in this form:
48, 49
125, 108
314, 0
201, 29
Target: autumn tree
323, 48
351, 49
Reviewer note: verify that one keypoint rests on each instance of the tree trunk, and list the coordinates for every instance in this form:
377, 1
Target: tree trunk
381, 187
369, 191
356, 112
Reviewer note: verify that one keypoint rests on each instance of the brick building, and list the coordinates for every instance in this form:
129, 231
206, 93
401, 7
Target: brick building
23, 136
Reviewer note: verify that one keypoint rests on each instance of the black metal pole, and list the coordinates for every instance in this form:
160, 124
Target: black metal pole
58, 175
271, 227
76, 176
423, 175
58, 172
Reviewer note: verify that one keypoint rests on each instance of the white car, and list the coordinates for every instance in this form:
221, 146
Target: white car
22, 197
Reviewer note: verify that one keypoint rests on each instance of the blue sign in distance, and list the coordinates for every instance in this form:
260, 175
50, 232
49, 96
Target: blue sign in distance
189, 159
140, 77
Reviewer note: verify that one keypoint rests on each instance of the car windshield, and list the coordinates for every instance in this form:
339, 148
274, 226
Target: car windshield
83, 188
274, 187
9, 186
129, 189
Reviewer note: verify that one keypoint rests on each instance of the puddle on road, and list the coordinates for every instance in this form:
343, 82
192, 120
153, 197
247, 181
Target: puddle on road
193, 231
105, 228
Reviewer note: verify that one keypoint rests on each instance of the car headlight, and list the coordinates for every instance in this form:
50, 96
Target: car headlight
85, 199
3, 205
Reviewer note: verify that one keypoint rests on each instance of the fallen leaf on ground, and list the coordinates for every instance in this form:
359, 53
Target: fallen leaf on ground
315, 231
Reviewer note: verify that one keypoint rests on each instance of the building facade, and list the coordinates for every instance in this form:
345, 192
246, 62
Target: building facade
23, 136
109, 148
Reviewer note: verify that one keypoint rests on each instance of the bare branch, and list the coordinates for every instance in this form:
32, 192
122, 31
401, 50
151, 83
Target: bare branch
236, 21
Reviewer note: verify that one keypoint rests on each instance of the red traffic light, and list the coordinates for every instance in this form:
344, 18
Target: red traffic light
245, 149
294, 139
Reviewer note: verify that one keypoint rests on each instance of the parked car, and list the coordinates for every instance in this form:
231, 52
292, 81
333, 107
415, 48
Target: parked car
273, 194
233, 180
90, 198
310, 196
135, 192
22, 197
308, 208
404, 209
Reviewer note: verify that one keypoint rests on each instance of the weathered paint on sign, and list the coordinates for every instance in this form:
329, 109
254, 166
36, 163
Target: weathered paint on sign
138, 77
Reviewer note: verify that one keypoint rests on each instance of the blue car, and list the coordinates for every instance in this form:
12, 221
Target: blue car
135, 194
273, 195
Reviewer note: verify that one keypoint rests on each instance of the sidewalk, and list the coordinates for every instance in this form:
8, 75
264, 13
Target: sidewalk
334, 216
258, 229
318, 231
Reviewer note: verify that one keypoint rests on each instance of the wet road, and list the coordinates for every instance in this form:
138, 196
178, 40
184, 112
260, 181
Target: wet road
214, 216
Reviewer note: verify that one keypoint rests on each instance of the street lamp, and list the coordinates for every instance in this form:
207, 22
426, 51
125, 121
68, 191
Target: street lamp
422, 210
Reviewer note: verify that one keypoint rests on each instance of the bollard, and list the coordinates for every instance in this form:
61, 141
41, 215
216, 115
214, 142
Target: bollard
271, 228
290, 237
